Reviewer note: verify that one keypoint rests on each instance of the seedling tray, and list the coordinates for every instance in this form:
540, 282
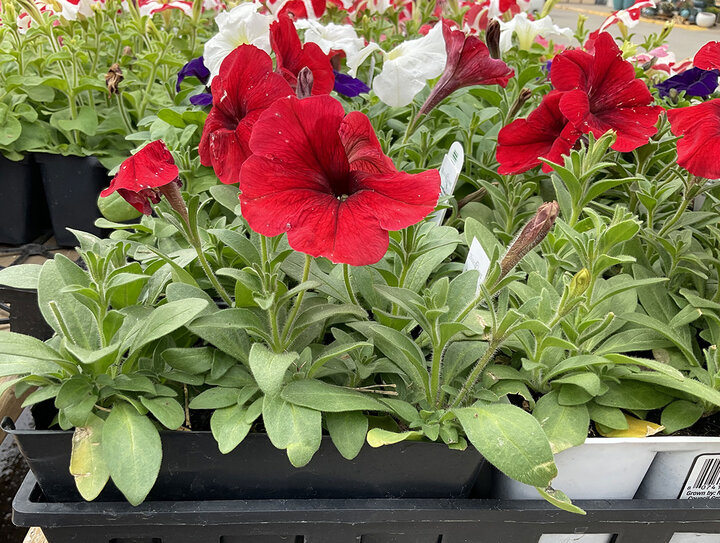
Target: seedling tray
358, 521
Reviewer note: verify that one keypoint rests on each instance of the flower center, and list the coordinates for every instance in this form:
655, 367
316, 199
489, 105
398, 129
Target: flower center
343, 197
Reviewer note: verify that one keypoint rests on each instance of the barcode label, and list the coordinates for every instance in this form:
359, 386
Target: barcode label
703, 481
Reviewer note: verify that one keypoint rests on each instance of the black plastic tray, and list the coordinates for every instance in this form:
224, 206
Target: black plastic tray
25, 316
25, 212
72, 186
193, 468
357, 521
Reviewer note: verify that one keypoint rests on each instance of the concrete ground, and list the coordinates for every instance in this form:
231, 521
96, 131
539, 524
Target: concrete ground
684, 41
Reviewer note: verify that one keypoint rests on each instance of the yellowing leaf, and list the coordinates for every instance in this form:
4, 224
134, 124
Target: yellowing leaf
636, 428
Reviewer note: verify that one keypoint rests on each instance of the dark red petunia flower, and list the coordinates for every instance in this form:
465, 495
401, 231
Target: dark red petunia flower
708, 58
546, 133
699, 127
292, 56
321, 176
244, 88
141, 177
468, 63
601, 93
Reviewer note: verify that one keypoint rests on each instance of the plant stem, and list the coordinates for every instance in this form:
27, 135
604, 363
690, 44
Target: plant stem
348, 286
435, 374
477, 370
210, 275
298, 300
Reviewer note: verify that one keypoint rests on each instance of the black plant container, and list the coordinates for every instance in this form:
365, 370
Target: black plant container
25, 315
361, 521
25, 213
72, 186
194, 469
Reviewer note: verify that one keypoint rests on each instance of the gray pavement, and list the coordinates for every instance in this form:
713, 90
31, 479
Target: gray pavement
684, 40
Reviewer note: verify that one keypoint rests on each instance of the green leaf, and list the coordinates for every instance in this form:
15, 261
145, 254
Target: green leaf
560, 500
588, 381
132, 450
399, 348
269, 368
347, 431
20, 354
21, 276
87, 464
292, 427
215, 398
379, 437
192, 360
679, 415
85, 122
687, 386
239, 243
229, 427
329, 398
164, 320
76, 399
634, 395
565, 426
334, 351
167, 410
612, 417
510, 439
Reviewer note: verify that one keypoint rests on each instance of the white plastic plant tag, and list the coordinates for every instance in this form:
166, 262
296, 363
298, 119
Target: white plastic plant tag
450, 170
478, 260
703, 481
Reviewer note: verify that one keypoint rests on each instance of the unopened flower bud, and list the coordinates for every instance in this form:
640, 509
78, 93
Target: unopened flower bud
127, 51
172, 193
530, 236
113, 79
523, 97
580, 283
492, 38
304, 83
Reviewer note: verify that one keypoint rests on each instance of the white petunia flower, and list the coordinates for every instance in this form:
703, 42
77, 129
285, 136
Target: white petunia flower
527, 30
406, 68
242, 24
331, 36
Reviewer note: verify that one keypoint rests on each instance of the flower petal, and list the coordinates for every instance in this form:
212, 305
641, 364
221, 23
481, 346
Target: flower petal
361, 145
151, 167
699, 127
708, 57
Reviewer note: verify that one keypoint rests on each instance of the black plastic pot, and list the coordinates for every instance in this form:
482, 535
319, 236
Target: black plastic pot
359, 521
72, 186
25, 315
25, 212
194, 469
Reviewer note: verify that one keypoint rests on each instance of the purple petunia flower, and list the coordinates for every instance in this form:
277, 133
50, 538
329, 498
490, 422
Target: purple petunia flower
349, 86
194, 68
695, 82
202, 99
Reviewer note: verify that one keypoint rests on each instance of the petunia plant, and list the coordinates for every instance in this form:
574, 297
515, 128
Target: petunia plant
431, 225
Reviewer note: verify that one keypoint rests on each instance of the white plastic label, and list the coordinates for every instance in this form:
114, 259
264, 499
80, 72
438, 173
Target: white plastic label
703, 481
450, 170
478, 260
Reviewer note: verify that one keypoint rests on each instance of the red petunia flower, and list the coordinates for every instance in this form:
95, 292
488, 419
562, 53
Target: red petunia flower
699, 127
141, 178
601, 93
244, 88
321, 176
292, 57
299, 9
708, 58
468, 63
546, 133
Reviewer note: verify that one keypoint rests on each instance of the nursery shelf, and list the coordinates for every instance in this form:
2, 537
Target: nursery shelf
360, 521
